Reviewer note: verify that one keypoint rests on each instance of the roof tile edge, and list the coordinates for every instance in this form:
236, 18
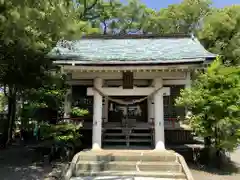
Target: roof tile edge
137, 36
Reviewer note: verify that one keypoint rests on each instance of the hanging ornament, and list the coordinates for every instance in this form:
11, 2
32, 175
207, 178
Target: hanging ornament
111, 107
125, 111
139, 111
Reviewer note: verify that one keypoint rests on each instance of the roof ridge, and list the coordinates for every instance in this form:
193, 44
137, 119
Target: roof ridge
137, 36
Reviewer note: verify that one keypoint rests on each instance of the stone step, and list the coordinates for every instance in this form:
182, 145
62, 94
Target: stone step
132, 134
128, 166
137, 128
123, 156
163, 175
127, 140
121, 178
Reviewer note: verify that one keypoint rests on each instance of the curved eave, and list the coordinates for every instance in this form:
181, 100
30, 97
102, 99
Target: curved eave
146, 62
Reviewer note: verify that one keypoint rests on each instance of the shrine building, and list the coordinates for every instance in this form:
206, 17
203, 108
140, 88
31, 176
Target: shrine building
129, 85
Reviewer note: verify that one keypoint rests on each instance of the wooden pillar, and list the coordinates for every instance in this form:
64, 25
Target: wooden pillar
188, 85
105, 110
150, 109
68, 103
188, 80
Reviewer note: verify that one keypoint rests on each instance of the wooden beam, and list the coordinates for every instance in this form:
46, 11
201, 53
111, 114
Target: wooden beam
137, 75
136, 91
132, 68
116, 82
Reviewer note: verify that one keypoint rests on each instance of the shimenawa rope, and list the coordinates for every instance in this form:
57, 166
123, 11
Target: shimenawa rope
120, 101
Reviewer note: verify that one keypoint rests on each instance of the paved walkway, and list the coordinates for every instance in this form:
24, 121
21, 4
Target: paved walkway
119, 178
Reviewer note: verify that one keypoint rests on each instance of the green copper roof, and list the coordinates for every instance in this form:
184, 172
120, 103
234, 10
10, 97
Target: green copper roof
131, 50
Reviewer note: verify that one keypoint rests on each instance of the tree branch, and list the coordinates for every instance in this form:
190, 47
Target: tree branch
135, 31
93, 4
87, 8
92, 18
105, 27
5, 90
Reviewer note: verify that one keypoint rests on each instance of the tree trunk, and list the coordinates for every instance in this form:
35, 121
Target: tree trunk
7, 134
207, 141
219, 158
4, 136
207, 150
11, 116
219, 155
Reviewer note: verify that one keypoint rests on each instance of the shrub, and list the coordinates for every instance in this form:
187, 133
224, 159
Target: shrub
78, 112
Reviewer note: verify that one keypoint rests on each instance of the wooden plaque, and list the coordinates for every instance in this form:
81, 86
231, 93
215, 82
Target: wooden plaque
127, 80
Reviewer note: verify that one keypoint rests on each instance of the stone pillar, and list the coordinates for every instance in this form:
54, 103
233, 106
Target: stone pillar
159, 116
68, 103
97, 116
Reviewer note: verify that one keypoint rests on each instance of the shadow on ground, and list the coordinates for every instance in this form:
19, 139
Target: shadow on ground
16, 163
226, 169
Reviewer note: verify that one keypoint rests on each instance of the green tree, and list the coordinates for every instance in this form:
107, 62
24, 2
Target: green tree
114, 16
220, 33
3, 102
185, 17
48, 97
214, 101
28, 30
130, 18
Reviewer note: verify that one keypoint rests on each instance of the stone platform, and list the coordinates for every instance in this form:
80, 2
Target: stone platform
129, 163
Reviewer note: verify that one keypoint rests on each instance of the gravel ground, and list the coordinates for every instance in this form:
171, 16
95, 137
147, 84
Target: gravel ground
16, 164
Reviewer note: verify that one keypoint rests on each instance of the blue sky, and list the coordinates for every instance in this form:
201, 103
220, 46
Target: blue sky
157, 4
